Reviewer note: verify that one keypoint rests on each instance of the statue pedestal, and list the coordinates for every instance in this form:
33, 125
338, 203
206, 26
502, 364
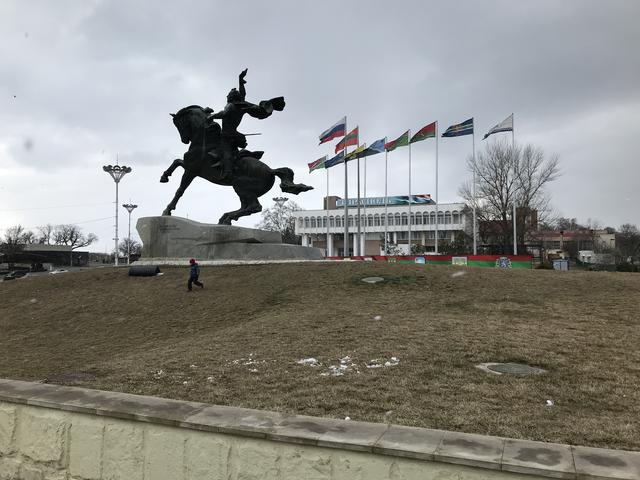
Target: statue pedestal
173, 239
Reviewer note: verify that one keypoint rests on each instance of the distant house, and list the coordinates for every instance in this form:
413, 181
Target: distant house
57, 255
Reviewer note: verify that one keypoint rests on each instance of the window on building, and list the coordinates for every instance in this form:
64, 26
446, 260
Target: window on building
455, 216
432, 218
313, 222
306, 222
390, 218
440, 217
332, 222
300, 222
376, 220
425, 218
351, 220
338, 221
418, 219
413, 218
447, 218
405, 219
431, 235
324, 222
370, 220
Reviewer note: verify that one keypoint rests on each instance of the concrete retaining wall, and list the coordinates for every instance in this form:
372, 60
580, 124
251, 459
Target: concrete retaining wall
49, 432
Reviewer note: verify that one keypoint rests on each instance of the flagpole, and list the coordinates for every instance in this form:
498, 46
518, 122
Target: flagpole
437, 199
346, 196
326, 206
513, 148
409, 222
358, 221
386, 218
363, 246
475, 198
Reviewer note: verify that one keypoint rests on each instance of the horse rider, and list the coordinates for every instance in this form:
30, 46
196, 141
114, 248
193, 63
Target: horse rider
231, 116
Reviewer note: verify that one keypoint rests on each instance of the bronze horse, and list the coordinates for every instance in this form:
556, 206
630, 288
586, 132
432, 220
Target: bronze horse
251, 179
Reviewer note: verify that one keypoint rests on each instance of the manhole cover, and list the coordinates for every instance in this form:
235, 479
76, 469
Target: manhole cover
373, 279
510, 368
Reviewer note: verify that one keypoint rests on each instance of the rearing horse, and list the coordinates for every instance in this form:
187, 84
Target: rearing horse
251, 179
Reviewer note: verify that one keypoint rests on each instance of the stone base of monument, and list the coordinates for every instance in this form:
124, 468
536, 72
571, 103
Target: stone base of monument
174, 240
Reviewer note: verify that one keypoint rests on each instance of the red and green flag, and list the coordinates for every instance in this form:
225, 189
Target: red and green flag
401, 141
350, 139
425, 132
318, 164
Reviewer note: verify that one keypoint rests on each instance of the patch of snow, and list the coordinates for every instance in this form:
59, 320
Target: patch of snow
33, 300
378, 317
347, 418
312, 362
458, 273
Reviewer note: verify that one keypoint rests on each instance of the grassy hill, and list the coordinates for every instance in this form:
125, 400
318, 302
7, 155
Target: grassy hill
238, 342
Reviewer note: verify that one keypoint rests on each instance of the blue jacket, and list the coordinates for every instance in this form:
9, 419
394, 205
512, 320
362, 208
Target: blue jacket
195, 271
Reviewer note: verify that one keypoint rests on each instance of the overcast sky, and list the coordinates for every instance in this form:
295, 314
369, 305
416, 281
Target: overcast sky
85, 82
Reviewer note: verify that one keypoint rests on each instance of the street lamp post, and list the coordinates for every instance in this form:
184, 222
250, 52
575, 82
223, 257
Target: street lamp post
130, 207
116, 172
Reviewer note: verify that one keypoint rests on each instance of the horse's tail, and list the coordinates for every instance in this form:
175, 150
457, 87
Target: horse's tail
286, 181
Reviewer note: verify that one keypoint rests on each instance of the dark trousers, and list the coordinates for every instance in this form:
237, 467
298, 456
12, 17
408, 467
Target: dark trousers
194, 280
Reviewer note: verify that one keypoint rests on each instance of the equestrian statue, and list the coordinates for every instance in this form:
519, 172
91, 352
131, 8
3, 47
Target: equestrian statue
219, 155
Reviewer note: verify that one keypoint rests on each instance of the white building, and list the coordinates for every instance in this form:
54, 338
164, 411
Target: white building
311, 225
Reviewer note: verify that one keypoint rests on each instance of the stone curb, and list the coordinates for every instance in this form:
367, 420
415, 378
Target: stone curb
494, 453
183, 262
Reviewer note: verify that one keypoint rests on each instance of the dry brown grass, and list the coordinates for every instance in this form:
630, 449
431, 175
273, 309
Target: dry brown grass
583, 327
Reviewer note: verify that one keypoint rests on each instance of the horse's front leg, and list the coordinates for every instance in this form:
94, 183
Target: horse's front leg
248, 204
187, 178
167, 173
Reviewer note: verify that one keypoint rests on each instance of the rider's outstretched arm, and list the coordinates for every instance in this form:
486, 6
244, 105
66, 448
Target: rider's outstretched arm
241, 83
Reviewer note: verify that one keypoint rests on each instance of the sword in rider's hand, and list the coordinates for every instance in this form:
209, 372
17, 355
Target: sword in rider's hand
250, 134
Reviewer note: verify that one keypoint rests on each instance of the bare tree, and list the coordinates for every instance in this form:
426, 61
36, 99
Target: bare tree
506, 174
129, 245
15, 238
628, 241
279, 218
18, 235
45, 234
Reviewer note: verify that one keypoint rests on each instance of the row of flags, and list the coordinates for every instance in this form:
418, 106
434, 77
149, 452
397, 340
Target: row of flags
352, 139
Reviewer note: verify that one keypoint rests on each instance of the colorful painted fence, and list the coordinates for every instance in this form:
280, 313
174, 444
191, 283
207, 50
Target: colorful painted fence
494, 261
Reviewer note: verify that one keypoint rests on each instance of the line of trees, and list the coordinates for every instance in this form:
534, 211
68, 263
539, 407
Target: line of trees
16, 237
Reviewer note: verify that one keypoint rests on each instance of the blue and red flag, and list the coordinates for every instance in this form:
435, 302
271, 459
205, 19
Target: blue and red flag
336, 130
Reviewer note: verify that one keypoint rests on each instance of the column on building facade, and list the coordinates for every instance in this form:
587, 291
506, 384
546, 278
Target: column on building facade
423, 238
330, 245
305, 240
395, 238
355, 243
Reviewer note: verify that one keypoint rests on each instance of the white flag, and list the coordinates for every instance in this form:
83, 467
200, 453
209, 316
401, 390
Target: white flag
504, 126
